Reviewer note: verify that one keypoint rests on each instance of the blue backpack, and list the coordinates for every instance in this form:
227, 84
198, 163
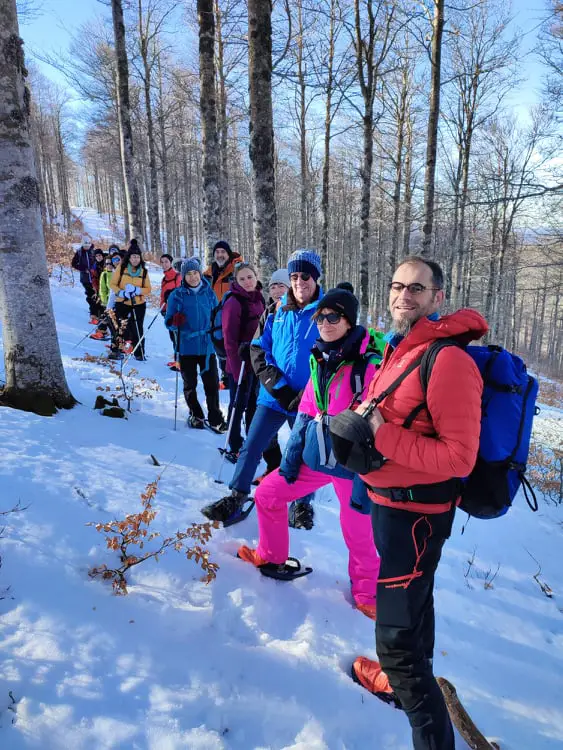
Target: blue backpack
508, 410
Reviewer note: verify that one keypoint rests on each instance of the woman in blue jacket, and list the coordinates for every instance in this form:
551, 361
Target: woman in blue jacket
188, 314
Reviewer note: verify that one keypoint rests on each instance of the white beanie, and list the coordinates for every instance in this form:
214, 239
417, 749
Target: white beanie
86, 242
280, 276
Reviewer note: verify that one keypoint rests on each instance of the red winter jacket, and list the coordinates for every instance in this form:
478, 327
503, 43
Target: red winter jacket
171, 280
443, 440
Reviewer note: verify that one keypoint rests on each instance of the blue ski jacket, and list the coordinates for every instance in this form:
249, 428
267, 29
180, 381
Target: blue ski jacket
196, 306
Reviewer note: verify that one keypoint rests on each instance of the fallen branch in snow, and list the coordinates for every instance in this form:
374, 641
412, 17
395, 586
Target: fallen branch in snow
461, 719
134, 531
545, 589
18, 508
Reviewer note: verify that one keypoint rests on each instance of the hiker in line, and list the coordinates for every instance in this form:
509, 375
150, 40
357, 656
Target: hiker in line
239, 320
416, 490
171, 279
278, 287
104, 290
131, 284
343, 363
83, 261
220, 275
188, 314
280, 358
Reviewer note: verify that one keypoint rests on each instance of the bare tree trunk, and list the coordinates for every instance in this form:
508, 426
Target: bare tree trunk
35, 378
432, 138
223, 123
164, 162
402, 113
325, 200
211, 186
407, 213
262, 136
124, 113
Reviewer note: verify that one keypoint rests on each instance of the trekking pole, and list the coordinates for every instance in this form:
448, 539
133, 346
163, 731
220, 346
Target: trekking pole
128, 357
231, 421
176, 351
86, 336
136, 325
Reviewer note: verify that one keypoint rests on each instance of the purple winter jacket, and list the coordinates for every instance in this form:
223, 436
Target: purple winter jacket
83, 259
239, 325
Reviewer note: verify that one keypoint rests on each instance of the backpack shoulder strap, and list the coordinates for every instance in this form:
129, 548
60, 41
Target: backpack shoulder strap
426, 364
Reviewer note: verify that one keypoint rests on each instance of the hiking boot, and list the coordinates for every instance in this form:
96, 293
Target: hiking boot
249, 555
226, 508
369, 610
222, 386
196, 423
98, 336
115, 354
230, 456
301, 515
94, 320
173, 365
371, 676
127, 347
256, 481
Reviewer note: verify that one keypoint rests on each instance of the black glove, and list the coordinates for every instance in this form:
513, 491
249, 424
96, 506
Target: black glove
287, 398
244, 351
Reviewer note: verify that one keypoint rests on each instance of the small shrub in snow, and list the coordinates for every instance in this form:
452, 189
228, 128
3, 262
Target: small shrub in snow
131, 536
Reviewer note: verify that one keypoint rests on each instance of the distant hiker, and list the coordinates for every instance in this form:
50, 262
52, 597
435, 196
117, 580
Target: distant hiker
240, 316
188, 314
170, 281
131, 284
416, 490
83, 262
97, 269
278, 287
280, 358
343, 351
116, 257
220, 275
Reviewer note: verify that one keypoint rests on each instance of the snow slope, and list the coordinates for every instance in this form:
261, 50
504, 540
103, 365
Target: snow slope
245, 663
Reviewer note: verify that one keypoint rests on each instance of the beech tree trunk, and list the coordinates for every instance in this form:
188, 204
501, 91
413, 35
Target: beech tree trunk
35, 378
262, 136
434, 115
125, 130
210, 169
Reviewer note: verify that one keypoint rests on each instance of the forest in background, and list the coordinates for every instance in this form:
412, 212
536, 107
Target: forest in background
353, 89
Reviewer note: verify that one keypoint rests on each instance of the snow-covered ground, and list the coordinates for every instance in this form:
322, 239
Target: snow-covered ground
245, 663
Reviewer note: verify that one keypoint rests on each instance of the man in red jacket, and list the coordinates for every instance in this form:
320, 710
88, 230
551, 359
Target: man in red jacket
416, 491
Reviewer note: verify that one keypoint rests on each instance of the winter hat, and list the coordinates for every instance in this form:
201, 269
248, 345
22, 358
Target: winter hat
342, 301
306, 261
191, 264
134, 247
280, 276
346, 285
85, 241
99, 251
225, 245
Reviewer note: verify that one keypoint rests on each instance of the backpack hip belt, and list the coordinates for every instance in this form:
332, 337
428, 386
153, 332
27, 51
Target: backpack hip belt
439, 492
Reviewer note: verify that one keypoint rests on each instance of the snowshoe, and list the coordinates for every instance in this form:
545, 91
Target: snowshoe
219, 429
287, 571
301, 515
94, 320
173, 365
99, 336
127, 347
195, 422
229, 510
230, 456
222, 386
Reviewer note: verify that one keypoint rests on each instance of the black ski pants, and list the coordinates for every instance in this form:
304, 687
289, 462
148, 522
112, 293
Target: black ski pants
189, 364
410, 545
135, 316
90, 293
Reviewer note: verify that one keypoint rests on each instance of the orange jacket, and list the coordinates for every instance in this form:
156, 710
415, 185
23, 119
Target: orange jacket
443, 440
223, 276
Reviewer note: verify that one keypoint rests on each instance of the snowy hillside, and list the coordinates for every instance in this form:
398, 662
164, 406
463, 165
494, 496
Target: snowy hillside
245, 663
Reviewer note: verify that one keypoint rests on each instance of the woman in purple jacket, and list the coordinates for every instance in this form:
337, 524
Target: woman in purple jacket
240, 316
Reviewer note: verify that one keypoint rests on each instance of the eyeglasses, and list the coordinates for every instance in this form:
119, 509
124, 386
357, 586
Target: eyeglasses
397, 287
332, 318
301, 275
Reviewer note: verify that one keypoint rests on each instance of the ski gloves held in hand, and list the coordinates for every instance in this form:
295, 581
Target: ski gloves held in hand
287, 398
178, 320
131, 291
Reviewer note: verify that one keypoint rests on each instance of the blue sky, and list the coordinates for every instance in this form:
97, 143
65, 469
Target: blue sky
51, 32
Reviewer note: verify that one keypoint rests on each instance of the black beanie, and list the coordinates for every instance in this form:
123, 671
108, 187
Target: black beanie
342, 301
225, 245
346, 285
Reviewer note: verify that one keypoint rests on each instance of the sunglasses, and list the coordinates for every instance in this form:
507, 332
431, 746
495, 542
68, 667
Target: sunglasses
397, 287
300, 275
332, 318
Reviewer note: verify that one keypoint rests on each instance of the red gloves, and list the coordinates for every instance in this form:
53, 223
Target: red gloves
178, 320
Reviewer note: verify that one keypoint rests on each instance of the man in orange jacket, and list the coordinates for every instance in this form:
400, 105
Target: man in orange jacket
416, 490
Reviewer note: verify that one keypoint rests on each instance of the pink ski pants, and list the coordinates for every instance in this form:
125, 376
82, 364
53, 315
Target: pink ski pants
272, 499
